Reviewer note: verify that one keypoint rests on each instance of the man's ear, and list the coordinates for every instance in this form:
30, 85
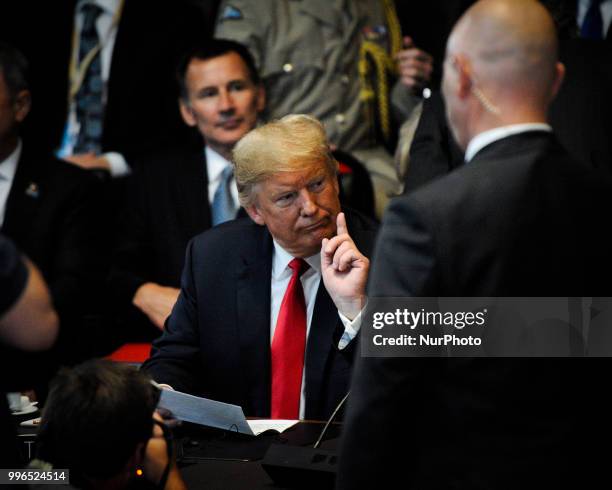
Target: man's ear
558, 81
187, 113
23, 103
254, 214
464, 76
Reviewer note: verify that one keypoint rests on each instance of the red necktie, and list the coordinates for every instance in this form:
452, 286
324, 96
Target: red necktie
288, 348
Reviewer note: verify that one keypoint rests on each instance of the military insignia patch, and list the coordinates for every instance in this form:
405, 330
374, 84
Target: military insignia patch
231, 13
375, 33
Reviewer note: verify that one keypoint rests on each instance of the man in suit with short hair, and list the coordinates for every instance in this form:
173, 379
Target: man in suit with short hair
520, 218
49, 209
178, 193
579, 114
270, 306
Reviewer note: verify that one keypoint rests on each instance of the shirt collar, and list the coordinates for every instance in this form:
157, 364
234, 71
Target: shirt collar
281, 259
485, 138
215, 164
8, 167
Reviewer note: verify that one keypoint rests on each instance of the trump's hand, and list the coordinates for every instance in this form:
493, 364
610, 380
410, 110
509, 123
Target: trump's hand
345, 270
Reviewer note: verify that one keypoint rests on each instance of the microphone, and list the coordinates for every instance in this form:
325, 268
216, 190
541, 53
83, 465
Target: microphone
306, 467
330, 420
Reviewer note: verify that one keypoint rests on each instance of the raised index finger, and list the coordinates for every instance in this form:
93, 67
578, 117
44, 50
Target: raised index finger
341, 228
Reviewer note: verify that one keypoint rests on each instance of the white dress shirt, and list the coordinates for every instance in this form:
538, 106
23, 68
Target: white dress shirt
281, 275
485, 138
215, 164
606, 13
106, 25
8, 167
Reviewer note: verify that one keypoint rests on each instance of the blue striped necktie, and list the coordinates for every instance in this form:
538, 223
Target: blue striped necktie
223, 208
89, 108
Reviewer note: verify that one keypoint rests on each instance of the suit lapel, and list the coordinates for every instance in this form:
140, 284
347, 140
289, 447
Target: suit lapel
24, 199
253, 308
319, 347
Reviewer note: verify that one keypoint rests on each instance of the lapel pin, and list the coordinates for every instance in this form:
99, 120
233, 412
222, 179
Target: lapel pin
32, 190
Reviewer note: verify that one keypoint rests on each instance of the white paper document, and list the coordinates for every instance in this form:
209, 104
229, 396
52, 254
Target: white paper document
259, 426
217, 414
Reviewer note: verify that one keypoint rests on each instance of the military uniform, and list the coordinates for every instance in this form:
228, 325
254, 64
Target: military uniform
307, 52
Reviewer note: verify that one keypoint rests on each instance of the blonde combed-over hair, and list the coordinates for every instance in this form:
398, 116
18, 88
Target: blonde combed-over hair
293, 143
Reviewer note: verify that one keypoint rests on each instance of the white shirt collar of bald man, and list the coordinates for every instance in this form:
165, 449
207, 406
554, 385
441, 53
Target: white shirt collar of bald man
485, 138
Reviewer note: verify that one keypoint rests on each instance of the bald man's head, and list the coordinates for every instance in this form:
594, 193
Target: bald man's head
501, 66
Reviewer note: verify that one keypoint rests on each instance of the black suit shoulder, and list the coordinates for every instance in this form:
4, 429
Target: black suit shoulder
520, 209
50, 169
49, 193
230, 245
498, 176
221, 234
